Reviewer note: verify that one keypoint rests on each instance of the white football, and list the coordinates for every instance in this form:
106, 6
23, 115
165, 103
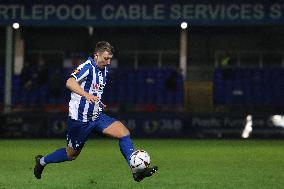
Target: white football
139, 160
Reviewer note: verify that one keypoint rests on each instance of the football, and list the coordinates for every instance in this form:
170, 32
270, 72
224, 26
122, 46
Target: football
139, 160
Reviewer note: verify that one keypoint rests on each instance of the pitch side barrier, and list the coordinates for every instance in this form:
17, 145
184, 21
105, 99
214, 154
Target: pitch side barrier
149, 125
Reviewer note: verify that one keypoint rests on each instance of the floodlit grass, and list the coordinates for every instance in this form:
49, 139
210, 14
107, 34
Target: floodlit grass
193, 164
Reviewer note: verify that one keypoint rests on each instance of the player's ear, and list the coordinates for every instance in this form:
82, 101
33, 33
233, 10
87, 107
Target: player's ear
95, 54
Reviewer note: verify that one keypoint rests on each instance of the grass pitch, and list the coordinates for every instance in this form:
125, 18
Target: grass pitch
197, 164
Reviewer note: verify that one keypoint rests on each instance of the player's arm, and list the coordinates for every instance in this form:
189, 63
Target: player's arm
74, 86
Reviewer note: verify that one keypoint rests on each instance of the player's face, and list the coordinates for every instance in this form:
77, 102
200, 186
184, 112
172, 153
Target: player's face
103, 59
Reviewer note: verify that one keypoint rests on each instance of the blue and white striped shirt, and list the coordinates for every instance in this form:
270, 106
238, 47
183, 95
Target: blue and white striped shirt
93, 80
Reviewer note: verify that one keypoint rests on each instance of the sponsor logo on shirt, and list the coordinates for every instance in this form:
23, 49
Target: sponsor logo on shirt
98, 87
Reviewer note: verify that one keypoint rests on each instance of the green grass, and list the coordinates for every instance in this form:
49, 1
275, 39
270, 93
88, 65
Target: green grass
194, 164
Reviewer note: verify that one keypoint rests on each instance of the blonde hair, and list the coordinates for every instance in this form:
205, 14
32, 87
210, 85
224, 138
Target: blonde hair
103, 46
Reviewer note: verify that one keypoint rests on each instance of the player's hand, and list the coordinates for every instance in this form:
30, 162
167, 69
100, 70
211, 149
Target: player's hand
91, 98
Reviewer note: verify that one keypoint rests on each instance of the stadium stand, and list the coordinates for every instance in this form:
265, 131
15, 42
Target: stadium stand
249, 87
146, 89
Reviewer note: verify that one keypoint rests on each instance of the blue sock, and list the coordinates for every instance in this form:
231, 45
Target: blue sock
57, 156
126, 147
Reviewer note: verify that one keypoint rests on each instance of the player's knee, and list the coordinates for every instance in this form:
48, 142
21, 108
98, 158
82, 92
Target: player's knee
116, 130
72, 157
124, 132
127, 132
72, 154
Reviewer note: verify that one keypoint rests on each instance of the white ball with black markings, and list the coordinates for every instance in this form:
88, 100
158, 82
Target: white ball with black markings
139, 160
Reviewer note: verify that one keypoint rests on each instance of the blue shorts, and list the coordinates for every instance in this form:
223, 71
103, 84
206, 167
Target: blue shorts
78, 132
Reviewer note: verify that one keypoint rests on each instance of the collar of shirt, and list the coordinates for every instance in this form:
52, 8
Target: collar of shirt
93, 62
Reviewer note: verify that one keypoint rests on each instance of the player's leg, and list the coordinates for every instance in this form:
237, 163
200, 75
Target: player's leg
76, 137
57, 156
113, 128
119, 131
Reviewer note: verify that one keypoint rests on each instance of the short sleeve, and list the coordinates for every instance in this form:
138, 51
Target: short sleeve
81, 71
